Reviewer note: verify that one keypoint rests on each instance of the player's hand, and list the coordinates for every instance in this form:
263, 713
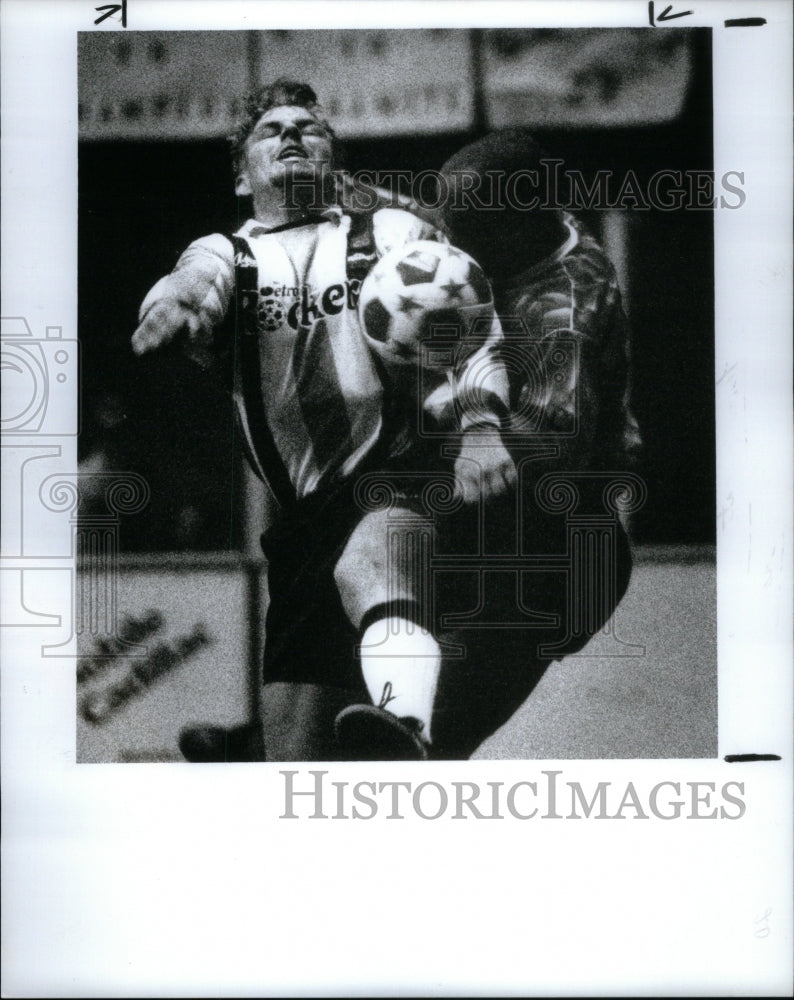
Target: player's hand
483, 468
170, 320
167, 320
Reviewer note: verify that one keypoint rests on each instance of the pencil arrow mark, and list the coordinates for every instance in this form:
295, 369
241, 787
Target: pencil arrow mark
667, 16
111, 9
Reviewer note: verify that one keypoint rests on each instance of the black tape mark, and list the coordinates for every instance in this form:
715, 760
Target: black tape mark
748, 758
745, 22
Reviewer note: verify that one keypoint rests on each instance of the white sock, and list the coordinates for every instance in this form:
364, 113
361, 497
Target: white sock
399, 652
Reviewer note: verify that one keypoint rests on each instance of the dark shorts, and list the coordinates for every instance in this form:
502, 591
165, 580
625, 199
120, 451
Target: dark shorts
308, 637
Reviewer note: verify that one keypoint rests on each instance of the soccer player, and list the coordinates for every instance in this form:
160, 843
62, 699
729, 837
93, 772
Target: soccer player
273, 308
566, 350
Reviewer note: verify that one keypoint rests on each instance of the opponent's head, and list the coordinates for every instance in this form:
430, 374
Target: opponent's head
284, 135
491, 211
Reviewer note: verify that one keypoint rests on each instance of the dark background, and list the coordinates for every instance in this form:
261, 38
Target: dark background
140, 204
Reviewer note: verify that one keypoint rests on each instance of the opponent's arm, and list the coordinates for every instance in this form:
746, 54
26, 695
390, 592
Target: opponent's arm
478, 393
483, 467
189, 303
575, 389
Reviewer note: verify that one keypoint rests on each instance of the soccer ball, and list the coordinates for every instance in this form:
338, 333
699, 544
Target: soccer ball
421, 292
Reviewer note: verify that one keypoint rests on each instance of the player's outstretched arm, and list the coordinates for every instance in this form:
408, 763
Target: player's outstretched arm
484, 467
188, 304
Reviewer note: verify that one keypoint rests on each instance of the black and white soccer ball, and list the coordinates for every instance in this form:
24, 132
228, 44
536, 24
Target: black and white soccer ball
418, 295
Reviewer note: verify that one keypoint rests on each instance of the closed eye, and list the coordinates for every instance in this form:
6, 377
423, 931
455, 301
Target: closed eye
266, 131
270, 130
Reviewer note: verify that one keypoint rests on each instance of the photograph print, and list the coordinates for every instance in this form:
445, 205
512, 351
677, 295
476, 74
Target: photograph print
396, 422
397, 415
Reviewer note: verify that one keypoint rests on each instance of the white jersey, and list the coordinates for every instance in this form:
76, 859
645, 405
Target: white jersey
283, 305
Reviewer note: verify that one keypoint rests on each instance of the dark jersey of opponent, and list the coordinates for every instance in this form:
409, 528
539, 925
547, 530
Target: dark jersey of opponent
566, 349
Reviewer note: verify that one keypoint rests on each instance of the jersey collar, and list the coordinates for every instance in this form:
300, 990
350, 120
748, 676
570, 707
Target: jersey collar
254, 228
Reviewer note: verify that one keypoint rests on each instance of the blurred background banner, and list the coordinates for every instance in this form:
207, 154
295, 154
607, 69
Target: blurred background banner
189, 85
378, 83
593, 77
160, 84
183, 650
171, 85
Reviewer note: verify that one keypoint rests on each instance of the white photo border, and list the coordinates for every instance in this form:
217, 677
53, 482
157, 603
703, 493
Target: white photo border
168, 881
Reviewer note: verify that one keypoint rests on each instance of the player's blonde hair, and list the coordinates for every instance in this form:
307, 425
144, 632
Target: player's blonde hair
281, 93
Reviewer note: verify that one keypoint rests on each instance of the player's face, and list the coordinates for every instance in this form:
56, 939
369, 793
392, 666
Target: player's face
285, 141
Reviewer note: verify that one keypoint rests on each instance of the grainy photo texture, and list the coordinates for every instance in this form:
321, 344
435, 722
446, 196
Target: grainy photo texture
397, 354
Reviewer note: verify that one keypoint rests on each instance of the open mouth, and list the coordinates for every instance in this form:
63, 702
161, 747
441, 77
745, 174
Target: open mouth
293, 153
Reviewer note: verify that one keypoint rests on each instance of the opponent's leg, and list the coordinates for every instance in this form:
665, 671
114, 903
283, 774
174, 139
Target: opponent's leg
480, 693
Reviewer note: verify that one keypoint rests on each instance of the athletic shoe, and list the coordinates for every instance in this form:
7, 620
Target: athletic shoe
367, 732
216, 745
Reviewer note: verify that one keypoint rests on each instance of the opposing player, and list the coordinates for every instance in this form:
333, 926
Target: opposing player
570, 429
273, 308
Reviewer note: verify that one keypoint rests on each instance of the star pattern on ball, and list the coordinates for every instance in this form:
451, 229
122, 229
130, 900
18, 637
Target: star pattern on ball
453, 289
407, 304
